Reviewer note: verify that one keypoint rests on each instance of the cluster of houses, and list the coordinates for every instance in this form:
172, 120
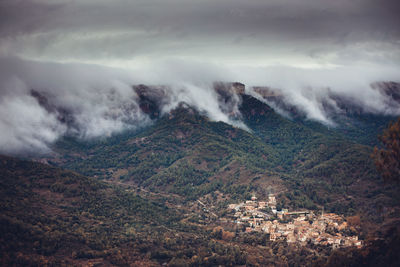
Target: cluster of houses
296, 226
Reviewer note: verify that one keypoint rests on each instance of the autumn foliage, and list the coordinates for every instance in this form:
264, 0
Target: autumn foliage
387, 159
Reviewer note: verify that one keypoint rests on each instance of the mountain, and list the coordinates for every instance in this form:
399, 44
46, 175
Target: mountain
351, 119
184, 153
159, 194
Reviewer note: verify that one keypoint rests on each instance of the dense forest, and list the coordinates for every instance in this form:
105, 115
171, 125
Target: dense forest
54, 217
186, 154
131, 199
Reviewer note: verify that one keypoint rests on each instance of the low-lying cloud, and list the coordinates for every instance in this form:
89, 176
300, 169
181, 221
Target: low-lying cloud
312, 90
40, 102
67, 67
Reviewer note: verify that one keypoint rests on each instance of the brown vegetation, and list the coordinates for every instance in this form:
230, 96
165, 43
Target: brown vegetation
387, 160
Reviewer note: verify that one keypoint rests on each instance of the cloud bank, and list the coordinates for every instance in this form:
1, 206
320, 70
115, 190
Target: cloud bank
42, 101
67, 67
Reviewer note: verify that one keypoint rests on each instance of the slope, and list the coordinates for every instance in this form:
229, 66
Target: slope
186, 154
53, 217
330, 168
181, 153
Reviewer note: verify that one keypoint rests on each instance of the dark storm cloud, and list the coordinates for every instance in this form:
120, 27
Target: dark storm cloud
93, 29
286, 16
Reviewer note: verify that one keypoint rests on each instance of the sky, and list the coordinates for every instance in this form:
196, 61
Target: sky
298, 33
85, 55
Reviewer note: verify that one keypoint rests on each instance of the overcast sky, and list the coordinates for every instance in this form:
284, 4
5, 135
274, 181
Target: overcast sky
300, 33
85, 56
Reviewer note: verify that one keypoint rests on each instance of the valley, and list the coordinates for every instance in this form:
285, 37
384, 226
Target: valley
168, 193
178, 133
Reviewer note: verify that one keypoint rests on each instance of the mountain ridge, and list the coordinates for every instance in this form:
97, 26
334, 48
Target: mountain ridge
203, 154
182, 159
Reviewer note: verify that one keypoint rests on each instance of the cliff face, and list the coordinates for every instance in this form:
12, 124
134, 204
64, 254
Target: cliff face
267, 92
155, 99
229, 88
391, 89
152, 98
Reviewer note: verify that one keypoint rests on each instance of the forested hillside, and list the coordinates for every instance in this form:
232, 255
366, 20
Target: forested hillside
138, 197
185, 153
55, 217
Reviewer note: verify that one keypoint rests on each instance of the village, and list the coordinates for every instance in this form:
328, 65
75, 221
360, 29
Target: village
302, 227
